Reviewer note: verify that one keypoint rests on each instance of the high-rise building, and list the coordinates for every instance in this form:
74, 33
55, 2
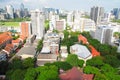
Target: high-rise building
69, 17
17, 14
10, 11
53, 19
22, 10
96, 14
116, 13
105, 33
26, 28
37, 20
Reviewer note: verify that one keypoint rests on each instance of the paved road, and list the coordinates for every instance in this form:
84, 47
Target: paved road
26, 45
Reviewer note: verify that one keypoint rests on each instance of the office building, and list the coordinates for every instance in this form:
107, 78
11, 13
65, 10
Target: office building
37, 20
53, 20
84, 24
70, 18
105, 33
17, 14
97, 14
116, 13
10, 11
22, 10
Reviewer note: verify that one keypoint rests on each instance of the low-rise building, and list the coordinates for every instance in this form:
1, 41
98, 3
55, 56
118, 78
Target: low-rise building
81, 51
82, 39
75, 74
5, 38
3, 55
16, 43
9, 49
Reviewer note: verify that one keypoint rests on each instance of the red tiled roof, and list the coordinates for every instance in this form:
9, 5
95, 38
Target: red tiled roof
22, 37
83, 39
5, 36
8, 47
75, 74
94, 51
88, 76
16, 41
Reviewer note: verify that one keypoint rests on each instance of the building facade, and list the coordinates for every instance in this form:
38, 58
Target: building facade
26, 28
37, 20
96, 14
10, 11
105, 33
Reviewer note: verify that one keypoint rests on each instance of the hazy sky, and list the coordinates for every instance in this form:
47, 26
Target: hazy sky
63, 4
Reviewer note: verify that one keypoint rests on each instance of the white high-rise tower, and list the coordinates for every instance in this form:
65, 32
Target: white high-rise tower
10, 11
37, 20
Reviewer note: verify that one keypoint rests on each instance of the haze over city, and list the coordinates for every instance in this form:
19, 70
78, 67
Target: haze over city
63, 4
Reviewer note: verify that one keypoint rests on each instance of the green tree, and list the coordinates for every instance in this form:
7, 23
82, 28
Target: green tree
63, 65
95, 61
73, 60
15, 64
52, 72
40, 45
30, 74
41, 69
3, 67
46, 25
29, 62
17, 74
104, 49
100, 76
112, 60
107, 68
91, 70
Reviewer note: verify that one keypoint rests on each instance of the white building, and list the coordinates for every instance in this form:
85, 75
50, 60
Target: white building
97, 14
84, 24
37, 20
10, 11
104, 33
70, 18
53, 20
82, 52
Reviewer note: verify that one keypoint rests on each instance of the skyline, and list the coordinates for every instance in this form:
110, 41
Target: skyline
63, 4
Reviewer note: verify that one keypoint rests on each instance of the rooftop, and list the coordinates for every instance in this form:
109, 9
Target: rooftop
75, 74
5, 36
83, 39
94, 51
80, 50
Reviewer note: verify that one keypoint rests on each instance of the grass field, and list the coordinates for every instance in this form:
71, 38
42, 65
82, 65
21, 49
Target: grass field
11, 24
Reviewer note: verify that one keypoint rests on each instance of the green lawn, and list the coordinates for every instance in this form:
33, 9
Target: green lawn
11, 24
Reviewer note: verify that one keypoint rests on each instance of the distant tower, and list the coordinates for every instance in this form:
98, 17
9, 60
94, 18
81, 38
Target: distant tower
96, 14
10, 11
116, 13
37, 20
22, 9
